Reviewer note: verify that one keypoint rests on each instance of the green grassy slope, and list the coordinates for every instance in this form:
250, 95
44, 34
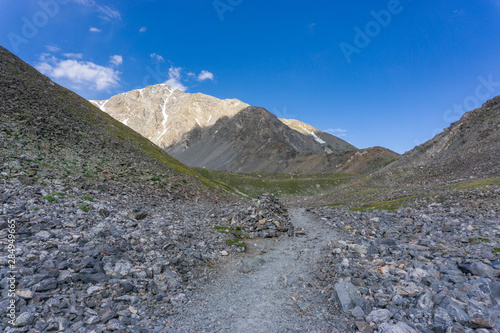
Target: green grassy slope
282, 185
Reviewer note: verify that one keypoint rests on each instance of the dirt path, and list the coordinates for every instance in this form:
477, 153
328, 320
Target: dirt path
269, 288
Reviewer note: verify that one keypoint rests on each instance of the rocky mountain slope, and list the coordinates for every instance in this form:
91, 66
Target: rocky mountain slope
434, 269
464, 156
469, 148
256, 140
229, 135
107, 231
49, 134
252, 140
110, 234
164, 115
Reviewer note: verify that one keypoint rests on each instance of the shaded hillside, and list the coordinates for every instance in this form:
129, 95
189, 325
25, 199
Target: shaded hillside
204, 131
469, 148
49, 134
252, 140
255, 140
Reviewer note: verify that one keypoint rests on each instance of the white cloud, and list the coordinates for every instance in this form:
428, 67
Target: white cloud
105, 12
312, 26
156, 58
53, 48
108, 14
85, 2
205, 75
336, 131
174, 78
93, 29
116, 60
79, 73
73, 55
143, 29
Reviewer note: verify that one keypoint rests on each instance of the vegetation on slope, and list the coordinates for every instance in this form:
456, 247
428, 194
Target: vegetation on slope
280, 184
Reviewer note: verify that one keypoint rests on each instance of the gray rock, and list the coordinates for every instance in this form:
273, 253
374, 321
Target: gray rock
364, 327
115, 325
441, 320
45, 285
120, 269
425, 302
346, 294
92, 278
24, 319
77, 326
482, 330
380, 316
400, 327
357, 312
103, 212
479, 269
92, 320
455, 311
480, 323
127, 287
62, 322
364, 304
14, 164
137, 214
76, 309
107, 314
456, 328
494, 290
44, 235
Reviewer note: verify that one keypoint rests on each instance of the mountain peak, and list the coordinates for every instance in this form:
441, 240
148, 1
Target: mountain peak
492, 102
205, 131
162, 114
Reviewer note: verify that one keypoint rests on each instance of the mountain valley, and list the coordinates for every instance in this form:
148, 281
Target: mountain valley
229, 135
162, 211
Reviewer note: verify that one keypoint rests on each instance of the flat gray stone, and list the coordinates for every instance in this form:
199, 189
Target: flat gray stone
380, 315
24, 319
400, 327
346, 295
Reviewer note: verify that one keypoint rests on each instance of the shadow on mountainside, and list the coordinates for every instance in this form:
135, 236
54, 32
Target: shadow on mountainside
274, 148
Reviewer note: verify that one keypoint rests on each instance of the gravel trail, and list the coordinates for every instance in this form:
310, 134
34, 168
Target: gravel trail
270, 288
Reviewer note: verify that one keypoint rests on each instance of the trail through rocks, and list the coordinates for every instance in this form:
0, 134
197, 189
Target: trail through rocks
270, 288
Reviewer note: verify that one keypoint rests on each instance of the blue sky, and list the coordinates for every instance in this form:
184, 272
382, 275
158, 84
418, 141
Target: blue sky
380, 73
